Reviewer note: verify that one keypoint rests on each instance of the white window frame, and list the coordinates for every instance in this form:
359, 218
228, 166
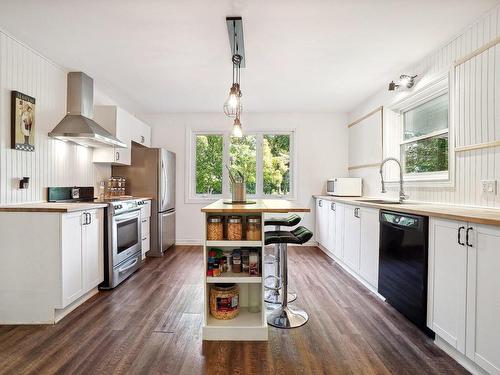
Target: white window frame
441, 85
190, 168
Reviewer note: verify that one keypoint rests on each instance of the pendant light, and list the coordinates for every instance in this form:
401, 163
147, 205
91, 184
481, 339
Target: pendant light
237, 131
232, 106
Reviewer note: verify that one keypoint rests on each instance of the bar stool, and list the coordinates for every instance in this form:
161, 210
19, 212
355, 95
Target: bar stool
287, 316
272, 294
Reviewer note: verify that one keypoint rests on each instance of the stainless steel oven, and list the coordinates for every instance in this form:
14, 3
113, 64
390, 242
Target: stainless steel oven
122, 255
125, 235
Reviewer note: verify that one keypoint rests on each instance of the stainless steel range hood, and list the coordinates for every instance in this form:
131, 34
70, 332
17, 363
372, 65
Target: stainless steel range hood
77, 126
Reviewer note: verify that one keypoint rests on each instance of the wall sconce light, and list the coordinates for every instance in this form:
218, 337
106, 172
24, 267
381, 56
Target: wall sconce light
405, 80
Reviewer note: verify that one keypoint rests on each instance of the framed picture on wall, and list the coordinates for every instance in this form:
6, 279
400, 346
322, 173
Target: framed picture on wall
22, 122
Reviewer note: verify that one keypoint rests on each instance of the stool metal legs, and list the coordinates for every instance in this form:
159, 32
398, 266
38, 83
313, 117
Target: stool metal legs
273, 295
286, 316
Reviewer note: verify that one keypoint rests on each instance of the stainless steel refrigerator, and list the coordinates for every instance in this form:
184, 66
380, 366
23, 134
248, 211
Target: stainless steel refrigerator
152, 175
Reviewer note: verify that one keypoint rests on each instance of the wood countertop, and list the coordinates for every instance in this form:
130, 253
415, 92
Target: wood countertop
260, 206
478, 215
51, 207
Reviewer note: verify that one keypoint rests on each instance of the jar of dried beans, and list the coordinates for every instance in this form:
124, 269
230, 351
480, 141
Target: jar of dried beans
215, 228
234, 228
253, 228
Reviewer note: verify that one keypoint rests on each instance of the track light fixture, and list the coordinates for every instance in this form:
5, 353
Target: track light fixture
405, 80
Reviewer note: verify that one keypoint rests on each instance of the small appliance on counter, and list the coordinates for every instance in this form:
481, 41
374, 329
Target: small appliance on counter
345, 187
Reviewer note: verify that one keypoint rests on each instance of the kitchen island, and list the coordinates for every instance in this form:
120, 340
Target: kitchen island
236, 231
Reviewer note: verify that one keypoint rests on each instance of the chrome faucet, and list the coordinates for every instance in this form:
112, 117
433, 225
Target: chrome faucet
402, 195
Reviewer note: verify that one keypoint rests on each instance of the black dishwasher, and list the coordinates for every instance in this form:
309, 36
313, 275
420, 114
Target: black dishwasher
402, 278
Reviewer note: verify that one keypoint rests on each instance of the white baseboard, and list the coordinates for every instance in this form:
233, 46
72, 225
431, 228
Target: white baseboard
367, 285
61, 313
188, 242
459, 357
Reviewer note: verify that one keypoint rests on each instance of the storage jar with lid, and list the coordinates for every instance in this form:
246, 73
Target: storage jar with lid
215, 228
234, 228
253, 228
224, 301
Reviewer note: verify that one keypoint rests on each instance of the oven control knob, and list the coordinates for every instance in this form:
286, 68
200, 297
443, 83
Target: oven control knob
118, 206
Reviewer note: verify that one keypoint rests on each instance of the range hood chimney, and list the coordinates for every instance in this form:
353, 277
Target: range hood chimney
77, 126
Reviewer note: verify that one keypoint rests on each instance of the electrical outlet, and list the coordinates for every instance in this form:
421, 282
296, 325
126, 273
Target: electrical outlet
489, 186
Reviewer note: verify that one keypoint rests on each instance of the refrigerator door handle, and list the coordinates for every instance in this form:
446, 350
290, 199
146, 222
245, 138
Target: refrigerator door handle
164, 183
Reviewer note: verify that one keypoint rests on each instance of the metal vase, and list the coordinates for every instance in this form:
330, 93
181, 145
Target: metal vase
239, 192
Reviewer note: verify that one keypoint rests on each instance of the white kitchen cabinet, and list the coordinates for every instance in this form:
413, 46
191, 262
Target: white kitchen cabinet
126, 128
72, 257
322, 208
93, 251
464, 303
331, 217
483, 297
369, 245
145, 227
82, 254
447, 281
352, 234
335, 229
53, 267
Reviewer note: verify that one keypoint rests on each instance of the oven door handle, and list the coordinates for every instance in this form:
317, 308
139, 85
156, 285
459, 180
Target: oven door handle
133, 215
128, 266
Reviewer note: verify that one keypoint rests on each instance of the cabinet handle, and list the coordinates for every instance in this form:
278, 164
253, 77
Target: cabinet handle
84, 218
332, 206
460, 236
117, 156
320, 203
467, 236
142, 139
144, 220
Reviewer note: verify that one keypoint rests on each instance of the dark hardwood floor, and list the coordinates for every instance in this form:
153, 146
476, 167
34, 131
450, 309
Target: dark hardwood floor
151, 324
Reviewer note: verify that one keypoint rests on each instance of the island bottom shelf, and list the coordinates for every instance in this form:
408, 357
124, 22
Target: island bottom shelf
247, 325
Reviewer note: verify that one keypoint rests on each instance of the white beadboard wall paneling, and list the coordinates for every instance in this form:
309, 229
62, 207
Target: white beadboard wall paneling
53, 163
475, 118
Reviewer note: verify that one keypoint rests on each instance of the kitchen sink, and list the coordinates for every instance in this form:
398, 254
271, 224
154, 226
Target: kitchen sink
379, 201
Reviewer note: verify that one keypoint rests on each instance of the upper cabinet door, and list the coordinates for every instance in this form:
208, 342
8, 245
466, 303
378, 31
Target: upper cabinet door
352, 237
483, 297
447, 281
126, 128
369, 251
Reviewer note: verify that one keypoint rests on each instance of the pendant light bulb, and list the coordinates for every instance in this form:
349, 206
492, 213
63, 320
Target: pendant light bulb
233, 103
237, 131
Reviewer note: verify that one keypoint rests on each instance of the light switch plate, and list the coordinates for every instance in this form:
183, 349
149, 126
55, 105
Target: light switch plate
489, 186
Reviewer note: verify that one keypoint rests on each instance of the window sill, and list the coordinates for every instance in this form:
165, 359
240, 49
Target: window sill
440, 180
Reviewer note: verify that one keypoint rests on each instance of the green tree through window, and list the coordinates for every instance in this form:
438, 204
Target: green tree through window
209, 150
276, 164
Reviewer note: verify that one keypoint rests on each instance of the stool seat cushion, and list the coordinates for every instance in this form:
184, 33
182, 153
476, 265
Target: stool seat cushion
289, 221
299, 236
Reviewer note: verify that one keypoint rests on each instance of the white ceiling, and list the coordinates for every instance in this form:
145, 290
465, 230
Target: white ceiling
173, 56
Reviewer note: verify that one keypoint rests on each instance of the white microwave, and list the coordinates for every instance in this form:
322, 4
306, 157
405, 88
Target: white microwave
344, 187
